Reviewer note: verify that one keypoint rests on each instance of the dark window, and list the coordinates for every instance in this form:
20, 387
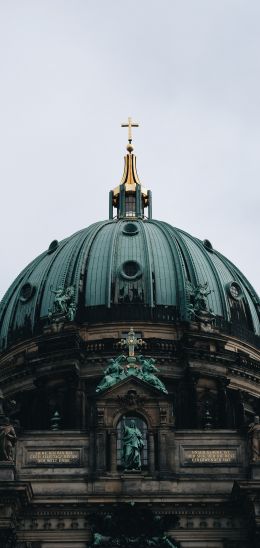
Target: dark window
130, 206
53, 246
208, 245
130, 293
234, 290
131, 270
26, 292
130, 229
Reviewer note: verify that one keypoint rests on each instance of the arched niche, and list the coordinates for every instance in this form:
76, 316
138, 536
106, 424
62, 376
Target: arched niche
141, 424
132, 397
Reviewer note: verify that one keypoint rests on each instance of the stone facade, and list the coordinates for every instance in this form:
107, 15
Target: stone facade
197, 467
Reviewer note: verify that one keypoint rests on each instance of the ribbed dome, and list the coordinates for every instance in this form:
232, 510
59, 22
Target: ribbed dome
128, 269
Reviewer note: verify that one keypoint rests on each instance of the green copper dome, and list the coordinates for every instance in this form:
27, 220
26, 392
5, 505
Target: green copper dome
130, 269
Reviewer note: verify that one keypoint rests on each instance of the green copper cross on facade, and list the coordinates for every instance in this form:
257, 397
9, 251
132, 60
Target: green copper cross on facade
131, 342
130, 124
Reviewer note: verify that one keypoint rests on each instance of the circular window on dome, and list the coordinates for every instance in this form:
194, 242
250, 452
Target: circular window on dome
131, 270
53, 246
26, 292
130, 229
208, 245
235, 291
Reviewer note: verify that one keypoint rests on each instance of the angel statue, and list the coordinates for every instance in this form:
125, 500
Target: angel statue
63, 305
199, 306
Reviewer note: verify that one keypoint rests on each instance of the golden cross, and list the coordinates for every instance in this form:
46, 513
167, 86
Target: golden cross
131, 342
130, 124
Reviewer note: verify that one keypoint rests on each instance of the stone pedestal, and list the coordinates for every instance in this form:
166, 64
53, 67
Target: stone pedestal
7, 471
255, 470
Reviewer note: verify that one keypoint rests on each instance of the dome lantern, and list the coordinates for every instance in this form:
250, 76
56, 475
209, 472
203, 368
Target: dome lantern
130, 198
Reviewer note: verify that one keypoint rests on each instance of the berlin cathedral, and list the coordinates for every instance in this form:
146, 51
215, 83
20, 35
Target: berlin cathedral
129, 389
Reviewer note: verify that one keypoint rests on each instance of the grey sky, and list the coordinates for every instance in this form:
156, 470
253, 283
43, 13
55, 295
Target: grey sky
72, 71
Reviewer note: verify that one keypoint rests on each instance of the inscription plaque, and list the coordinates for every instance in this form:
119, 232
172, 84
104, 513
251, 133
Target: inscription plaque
215, 456
210, 456
54, 456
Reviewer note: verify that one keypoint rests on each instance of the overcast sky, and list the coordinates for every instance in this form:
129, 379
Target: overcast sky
71, 71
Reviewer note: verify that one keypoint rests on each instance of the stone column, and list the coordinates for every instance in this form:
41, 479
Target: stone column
223, 403
162, 450
100, 451
80, 407
192, 419
91, 451
240, 416
113, 452
151, 453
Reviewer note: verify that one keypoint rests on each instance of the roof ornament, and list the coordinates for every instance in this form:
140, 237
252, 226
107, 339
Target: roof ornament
121, 368
131, 343
130, 124
130, 198
198, 307
64, 307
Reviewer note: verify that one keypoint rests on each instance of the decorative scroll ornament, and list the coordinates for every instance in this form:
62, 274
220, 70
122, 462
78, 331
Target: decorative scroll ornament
199, 307
122, 367
64, 307
131, 399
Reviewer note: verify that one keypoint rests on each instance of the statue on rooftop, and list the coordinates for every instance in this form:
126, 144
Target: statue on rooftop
199, 307
63, 306
113, 373
120, 368
148, 373
136, 365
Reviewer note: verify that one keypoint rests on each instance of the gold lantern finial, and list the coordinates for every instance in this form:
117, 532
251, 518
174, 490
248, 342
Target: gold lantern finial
129, 197
130, 124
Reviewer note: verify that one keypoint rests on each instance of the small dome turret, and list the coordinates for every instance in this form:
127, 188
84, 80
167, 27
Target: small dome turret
130, 198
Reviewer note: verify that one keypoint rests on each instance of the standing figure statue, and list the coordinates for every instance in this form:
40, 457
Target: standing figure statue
254, 437
132, 446
7, 441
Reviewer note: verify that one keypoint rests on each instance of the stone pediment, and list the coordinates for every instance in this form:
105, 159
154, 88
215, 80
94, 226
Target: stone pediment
131, 384
133, 395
